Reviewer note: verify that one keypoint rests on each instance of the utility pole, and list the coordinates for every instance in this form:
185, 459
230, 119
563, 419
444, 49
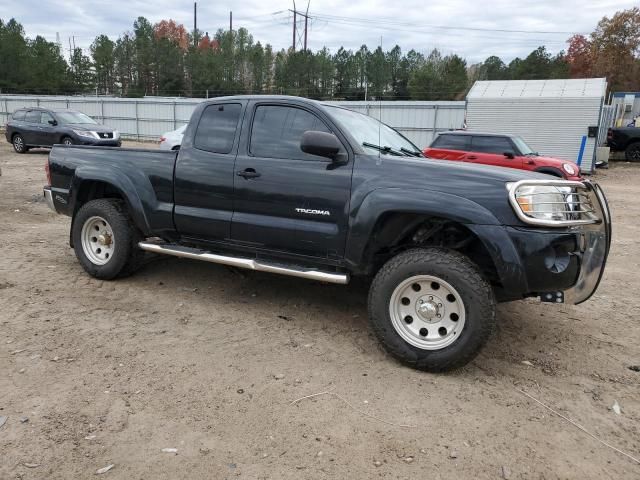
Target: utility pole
306, 18
195, 24
231, 21
295, 21
300, 40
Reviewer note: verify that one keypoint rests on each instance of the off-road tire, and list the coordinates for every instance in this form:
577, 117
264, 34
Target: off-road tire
454, 268
127, 257
632, 153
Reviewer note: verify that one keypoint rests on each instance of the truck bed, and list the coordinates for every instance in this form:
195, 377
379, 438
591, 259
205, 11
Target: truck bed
146, 172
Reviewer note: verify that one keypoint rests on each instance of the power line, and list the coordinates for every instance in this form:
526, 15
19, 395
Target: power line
371, 21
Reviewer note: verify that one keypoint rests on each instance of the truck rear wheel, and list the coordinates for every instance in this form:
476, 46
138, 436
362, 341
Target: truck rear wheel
105, 240
431, 309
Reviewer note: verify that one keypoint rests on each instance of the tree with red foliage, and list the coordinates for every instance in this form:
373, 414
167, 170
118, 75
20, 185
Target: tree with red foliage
173, 32
580, 57
208, 44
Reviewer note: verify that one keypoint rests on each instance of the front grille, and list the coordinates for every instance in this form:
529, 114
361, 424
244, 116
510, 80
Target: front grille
105, 135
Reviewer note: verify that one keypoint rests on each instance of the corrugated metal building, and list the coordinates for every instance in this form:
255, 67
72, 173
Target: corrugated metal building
553, 116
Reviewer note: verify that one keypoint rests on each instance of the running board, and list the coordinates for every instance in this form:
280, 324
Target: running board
248, 263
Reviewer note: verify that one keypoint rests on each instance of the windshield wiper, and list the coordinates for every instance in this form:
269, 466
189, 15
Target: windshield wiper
385, 149
413, 153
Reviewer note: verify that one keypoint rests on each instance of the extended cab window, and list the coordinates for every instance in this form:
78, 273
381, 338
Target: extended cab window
497, 145
217, 128
451, 142
277, 131
33, 116
19, 115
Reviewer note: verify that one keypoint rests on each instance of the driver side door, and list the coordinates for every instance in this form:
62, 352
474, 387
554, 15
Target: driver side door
286, 200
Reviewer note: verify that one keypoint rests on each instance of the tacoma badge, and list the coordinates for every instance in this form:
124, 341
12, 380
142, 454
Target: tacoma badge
312, 212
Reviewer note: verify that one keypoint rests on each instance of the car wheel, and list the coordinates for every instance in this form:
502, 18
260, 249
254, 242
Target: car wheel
105, 240
431, 309
632, 153
18, 143
67, 141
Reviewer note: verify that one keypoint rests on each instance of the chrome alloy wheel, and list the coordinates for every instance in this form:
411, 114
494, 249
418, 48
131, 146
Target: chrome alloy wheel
98, 242
427, 312
18, 143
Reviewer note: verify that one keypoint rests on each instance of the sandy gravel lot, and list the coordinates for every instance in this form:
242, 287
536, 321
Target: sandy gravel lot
202, 359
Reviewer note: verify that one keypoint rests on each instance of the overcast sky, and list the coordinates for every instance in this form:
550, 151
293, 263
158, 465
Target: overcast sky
473, 29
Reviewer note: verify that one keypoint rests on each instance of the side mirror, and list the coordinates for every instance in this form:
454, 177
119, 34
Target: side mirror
318, 143
53, 122
509, 155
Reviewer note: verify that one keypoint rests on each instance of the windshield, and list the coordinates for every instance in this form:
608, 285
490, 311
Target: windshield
369, 132
73, 117
523, 147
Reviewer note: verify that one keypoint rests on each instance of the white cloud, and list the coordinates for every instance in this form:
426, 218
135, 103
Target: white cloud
420, 30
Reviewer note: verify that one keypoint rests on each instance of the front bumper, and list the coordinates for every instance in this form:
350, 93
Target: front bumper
594, 250
98, 143
556, 264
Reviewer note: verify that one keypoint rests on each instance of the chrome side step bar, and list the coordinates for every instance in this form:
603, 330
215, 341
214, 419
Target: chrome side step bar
248, 263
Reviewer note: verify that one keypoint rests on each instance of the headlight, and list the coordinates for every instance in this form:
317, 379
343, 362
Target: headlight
569, 168
543, 202
86, 134
552, 203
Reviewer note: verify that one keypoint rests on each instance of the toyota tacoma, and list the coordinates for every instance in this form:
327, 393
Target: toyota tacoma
297, 187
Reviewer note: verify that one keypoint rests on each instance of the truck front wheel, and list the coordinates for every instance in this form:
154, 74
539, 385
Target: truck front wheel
431, 308
105, 240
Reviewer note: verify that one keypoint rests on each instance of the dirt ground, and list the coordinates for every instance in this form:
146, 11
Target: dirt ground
202, 359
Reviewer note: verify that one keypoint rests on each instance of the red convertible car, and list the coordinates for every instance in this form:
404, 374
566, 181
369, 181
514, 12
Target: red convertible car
500, 150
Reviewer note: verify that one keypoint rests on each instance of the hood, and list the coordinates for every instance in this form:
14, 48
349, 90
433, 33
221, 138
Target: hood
92, 127
552, 160
483, 184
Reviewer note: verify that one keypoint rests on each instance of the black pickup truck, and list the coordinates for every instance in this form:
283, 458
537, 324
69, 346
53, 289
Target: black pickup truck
627, 140
297, 187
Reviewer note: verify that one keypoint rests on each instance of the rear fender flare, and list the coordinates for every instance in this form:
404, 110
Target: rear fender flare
136, 196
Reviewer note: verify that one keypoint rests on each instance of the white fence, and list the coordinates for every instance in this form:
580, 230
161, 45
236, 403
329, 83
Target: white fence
148, 118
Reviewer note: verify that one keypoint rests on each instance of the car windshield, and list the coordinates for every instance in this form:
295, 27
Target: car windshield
73, 117
523, 147
372, 134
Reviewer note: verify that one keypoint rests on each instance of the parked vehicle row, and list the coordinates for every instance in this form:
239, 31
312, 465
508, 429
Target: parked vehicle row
509, 151
297, 187
41, 127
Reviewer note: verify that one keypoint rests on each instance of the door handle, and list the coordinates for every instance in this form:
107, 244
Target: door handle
530, 162
248, 173
471, 157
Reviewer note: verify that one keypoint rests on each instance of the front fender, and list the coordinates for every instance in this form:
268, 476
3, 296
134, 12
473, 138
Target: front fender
380, 202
